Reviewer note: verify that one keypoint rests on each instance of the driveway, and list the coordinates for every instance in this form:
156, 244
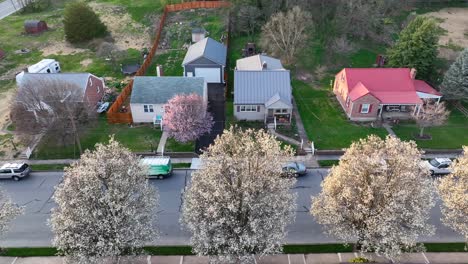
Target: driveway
216, 105
34, 192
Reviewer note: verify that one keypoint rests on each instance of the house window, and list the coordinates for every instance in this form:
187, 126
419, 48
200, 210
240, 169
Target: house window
281, 111
148, 108
365, 108
248, 108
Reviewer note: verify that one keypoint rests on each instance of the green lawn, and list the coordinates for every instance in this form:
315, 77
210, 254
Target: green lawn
452, 135
177, 32
325, 121
135, 138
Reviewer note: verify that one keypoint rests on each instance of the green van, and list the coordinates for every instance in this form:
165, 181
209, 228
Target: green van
159, 167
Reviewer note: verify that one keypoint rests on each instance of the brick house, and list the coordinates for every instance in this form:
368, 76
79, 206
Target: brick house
92, 87
368, 94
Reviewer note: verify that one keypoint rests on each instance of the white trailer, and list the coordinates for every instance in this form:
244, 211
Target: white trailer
44, 66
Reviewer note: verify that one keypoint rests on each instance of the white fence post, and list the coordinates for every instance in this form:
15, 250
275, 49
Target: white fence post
312, 147
28, 152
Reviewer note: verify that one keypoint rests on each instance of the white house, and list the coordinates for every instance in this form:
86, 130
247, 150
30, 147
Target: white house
150, 94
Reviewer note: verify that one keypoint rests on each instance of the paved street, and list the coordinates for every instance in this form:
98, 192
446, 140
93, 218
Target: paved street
35, 193
8, 7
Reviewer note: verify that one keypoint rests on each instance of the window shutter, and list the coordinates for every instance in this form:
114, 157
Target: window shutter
238, 108
360, 108
370, 108
258, 108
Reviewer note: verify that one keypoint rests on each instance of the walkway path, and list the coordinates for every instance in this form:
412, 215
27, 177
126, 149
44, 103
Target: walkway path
389, 129
162, 142
332, 258
284, 138
300, 126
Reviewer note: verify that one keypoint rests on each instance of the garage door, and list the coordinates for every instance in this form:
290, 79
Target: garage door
212, 75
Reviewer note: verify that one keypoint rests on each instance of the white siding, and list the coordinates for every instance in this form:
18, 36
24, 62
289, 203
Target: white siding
251, 116
139, 115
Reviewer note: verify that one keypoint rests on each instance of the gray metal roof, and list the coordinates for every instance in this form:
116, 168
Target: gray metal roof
259, 87
255, 63
78, 79
208, 48
158, 90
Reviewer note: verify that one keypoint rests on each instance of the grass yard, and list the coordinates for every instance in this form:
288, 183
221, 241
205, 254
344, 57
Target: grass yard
324, 120
135, 138
178, 31
452, 135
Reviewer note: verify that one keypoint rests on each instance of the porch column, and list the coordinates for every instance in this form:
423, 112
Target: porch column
415, 109
419, 109
438, 100
381, 110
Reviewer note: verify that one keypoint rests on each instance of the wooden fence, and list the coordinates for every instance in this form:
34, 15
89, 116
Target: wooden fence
113, 114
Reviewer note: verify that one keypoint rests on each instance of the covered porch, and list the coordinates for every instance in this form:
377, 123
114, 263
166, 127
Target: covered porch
398, 111
278, 111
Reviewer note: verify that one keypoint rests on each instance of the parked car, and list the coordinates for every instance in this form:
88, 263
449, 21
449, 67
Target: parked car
158, 167
294, 169
437, 165
15, 171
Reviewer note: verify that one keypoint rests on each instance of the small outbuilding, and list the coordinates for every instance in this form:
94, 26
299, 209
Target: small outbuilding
2, 54
198, 34
206, 58
35, 26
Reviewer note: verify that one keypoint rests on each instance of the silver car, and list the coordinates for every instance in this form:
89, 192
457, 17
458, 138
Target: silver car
294, 169
437, 165
14, 171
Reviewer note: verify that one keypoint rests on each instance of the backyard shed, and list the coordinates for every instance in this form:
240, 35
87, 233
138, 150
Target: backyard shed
206, 58
34, 26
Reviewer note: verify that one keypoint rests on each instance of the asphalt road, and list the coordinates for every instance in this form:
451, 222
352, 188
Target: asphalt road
35, 194
9, 7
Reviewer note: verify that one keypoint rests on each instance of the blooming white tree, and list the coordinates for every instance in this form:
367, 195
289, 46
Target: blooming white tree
238, 204
8, 211
378, 196
453, 190
105, 206
432, 114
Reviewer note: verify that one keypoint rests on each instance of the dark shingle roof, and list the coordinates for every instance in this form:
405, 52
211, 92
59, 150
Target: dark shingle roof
158, 90
208, 48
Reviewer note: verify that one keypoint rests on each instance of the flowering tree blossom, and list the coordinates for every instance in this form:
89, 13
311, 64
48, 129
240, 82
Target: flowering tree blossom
8, 211
432, 114
105, 206
238, 204
453, 190
186, 117
378, 196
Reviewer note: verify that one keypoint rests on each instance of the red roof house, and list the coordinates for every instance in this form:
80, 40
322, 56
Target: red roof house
366, 94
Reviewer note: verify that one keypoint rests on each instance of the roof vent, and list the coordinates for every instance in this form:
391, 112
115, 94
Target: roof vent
264, 65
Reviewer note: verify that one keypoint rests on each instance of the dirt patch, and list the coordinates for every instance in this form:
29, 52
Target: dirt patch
455, 22
86, 62
5, 99
11, 74
126, 32
62, 48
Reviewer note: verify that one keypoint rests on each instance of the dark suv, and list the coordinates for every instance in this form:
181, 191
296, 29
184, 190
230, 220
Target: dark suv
14, 171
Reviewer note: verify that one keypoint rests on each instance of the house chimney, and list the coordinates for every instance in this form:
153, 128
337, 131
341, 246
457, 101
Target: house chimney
413, 73
264, 65
159, 71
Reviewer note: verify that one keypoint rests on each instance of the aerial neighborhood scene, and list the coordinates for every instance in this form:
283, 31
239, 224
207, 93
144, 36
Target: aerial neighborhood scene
233, 131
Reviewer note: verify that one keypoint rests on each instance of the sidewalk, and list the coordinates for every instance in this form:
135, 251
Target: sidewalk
335, 258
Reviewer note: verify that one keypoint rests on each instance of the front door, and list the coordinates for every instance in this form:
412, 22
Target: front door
270, 112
